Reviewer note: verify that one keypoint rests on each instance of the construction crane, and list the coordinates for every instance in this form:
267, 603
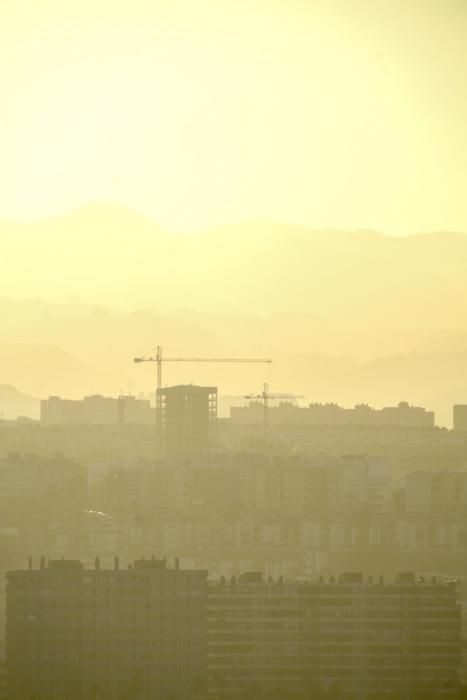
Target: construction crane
266, 397
159, 358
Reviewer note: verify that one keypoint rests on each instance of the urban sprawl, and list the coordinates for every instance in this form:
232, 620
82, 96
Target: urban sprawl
154, 549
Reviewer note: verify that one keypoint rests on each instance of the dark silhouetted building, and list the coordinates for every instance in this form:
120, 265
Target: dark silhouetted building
353, 638
460, 417
120, 633
186, 418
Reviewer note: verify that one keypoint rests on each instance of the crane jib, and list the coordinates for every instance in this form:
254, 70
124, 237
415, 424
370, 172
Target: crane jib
159, 359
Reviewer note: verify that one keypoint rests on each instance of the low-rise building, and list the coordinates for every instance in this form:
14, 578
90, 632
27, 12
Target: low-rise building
402, 415
97, 410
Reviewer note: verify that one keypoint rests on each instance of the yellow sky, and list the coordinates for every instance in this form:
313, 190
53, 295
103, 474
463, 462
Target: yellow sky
329, 113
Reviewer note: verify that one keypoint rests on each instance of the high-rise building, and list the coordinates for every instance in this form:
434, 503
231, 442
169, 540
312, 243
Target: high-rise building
359, 639
106, 633
186, 418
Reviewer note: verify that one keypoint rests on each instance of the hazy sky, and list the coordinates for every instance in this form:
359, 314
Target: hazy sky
334, 113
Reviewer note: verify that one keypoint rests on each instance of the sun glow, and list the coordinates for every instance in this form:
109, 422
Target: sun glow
210, 112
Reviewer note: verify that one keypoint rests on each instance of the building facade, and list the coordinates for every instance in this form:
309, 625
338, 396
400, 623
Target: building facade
97, 410
436, 493
186, 418
119, 633
460, 418
401, 416
153, 632
350, 638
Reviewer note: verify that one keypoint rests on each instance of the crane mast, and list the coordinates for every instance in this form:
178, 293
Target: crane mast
265, 397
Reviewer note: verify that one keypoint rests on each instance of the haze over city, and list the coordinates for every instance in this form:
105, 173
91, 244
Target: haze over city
233, 350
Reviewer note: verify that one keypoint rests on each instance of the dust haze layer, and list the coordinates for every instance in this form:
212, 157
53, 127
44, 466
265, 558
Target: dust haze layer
110, 255
347, 316
342, 115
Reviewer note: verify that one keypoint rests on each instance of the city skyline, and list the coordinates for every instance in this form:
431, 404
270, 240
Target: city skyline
233, 350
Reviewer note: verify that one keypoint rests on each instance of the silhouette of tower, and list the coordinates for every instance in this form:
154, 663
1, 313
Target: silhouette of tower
186, 418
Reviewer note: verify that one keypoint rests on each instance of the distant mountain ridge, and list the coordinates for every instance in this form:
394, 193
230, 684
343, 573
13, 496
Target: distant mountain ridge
15, 404
111, 255
347, 316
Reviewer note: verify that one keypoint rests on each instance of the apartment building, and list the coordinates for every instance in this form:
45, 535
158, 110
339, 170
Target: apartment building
364, 639
97, 410
402, 415
186, 418
439, 492
30, 484
73, 632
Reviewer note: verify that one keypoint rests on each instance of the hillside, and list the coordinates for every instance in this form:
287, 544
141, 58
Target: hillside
113, 256
14, 403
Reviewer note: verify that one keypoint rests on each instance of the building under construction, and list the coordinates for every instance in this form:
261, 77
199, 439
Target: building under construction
186, 418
